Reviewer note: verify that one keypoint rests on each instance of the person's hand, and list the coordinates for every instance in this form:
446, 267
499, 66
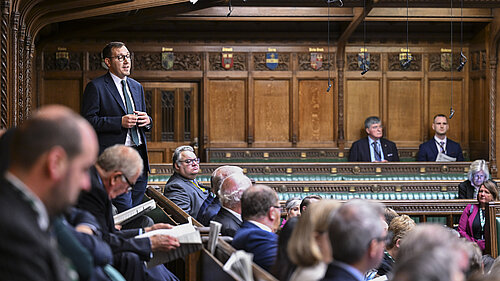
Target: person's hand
129, 120
158, 226
163, 243
384, 161
83, 228
142, 118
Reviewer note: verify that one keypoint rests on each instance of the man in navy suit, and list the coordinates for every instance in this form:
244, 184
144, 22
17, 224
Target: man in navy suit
358, 240
261, 214
114, 105
373, 148
230, 195
428, 151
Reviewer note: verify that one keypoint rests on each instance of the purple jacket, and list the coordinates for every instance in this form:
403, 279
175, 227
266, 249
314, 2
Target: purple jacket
465, 224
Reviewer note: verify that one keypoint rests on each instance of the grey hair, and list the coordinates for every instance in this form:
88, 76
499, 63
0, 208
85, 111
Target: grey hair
371, 120
292, 202
121, 158
353, 226
220, 174
232, 188
178, 151
476, 167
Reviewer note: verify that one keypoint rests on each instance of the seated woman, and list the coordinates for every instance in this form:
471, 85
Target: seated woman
309, 247
478, 173
473, 218
292, 208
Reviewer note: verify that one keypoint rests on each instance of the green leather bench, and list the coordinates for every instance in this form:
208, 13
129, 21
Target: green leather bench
375, 196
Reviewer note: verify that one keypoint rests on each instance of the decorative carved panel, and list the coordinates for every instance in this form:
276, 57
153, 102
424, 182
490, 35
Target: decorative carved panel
147, 61
187, 61
435, 62
239, 62
475, 60
352, 62
395, 65
95, 61
305, 62
74, 62
259, 61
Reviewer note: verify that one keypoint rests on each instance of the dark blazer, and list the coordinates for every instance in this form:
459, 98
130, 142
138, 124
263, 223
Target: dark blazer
185, 194
26, 251
337, 273
97, 202
262, 244
103, 107
230, 223
465, 190
428, 151
360, 151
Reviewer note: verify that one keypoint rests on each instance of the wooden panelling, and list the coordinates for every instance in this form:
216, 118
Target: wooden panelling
404, 106
227, 105
478, 119
65, 92
272, 114
439, 102
362, 100
316, 113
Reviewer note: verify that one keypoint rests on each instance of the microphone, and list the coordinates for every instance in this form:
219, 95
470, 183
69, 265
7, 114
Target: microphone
333, 1
406, 64
329, 86
365, 68
463, 61
452, 112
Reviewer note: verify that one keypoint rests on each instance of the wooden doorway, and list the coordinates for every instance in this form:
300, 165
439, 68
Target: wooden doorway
174, 108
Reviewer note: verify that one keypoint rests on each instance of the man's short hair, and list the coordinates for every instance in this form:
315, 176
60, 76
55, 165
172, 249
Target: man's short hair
389, 215
232, 188
220, 174
38, 135
107, 51
121, 158
399, 227
371, 120
308, 199
256, 201
178, 151
352, 227
439, 115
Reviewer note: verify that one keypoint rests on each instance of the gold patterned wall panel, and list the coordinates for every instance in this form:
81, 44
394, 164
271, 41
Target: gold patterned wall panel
65, 92
439, 102
316, 112
362, 100
227, 105
272, 111
404, 112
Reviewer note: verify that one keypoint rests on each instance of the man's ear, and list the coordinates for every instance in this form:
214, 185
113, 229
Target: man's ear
398, 243
367, 131
176, 166
433, 126
57, 163
107, 61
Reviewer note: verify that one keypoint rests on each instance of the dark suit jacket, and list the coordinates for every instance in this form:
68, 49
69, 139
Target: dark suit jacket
262, 244
428, 151
26, 251
465, 190
337, 273
103, 107
360, 151
97, 202
185, 194
230, 223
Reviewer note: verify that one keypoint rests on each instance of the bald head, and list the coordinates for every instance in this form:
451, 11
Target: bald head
231, 190
220, 174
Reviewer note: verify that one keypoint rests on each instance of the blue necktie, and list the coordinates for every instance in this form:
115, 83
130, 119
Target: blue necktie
130, 110
376, 151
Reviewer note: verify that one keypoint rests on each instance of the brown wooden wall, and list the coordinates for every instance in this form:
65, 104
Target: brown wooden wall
251, 105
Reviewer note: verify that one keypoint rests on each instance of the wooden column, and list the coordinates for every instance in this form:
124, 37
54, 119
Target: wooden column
4, 33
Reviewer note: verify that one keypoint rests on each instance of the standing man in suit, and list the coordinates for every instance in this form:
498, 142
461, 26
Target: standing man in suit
116, 171
358, 240
428, 151
373, 148
261, 214
183, 188
49, 162
114, 105
230, 195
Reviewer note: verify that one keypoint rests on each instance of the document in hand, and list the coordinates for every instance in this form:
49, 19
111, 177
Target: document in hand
188, 236
135, 212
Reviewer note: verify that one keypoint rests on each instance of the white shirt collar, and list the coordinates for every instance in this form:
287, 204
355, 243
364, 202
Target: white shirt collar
233, 212
261, 226
38, 206
117, 79
440, 140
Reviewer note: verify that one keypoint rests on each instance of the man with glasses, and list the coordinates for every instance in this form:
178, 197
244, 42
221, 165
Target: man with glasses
373, 148
182, 187
261, 213
116, 172
114, 105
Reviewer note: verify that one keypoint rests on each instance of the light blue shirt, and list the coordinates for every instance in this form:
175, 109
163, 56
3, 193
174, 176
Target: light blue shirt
353, 271
372, 151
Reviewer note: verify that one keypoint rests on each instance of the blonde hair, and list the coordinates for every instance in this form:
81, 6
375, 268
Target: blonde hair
400, 226
302, 247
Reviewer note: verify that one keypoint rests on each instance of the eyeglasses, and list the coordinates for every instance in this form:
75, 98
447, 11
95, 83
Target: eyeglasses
277, 207
130, 185
191, 161
121, 57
